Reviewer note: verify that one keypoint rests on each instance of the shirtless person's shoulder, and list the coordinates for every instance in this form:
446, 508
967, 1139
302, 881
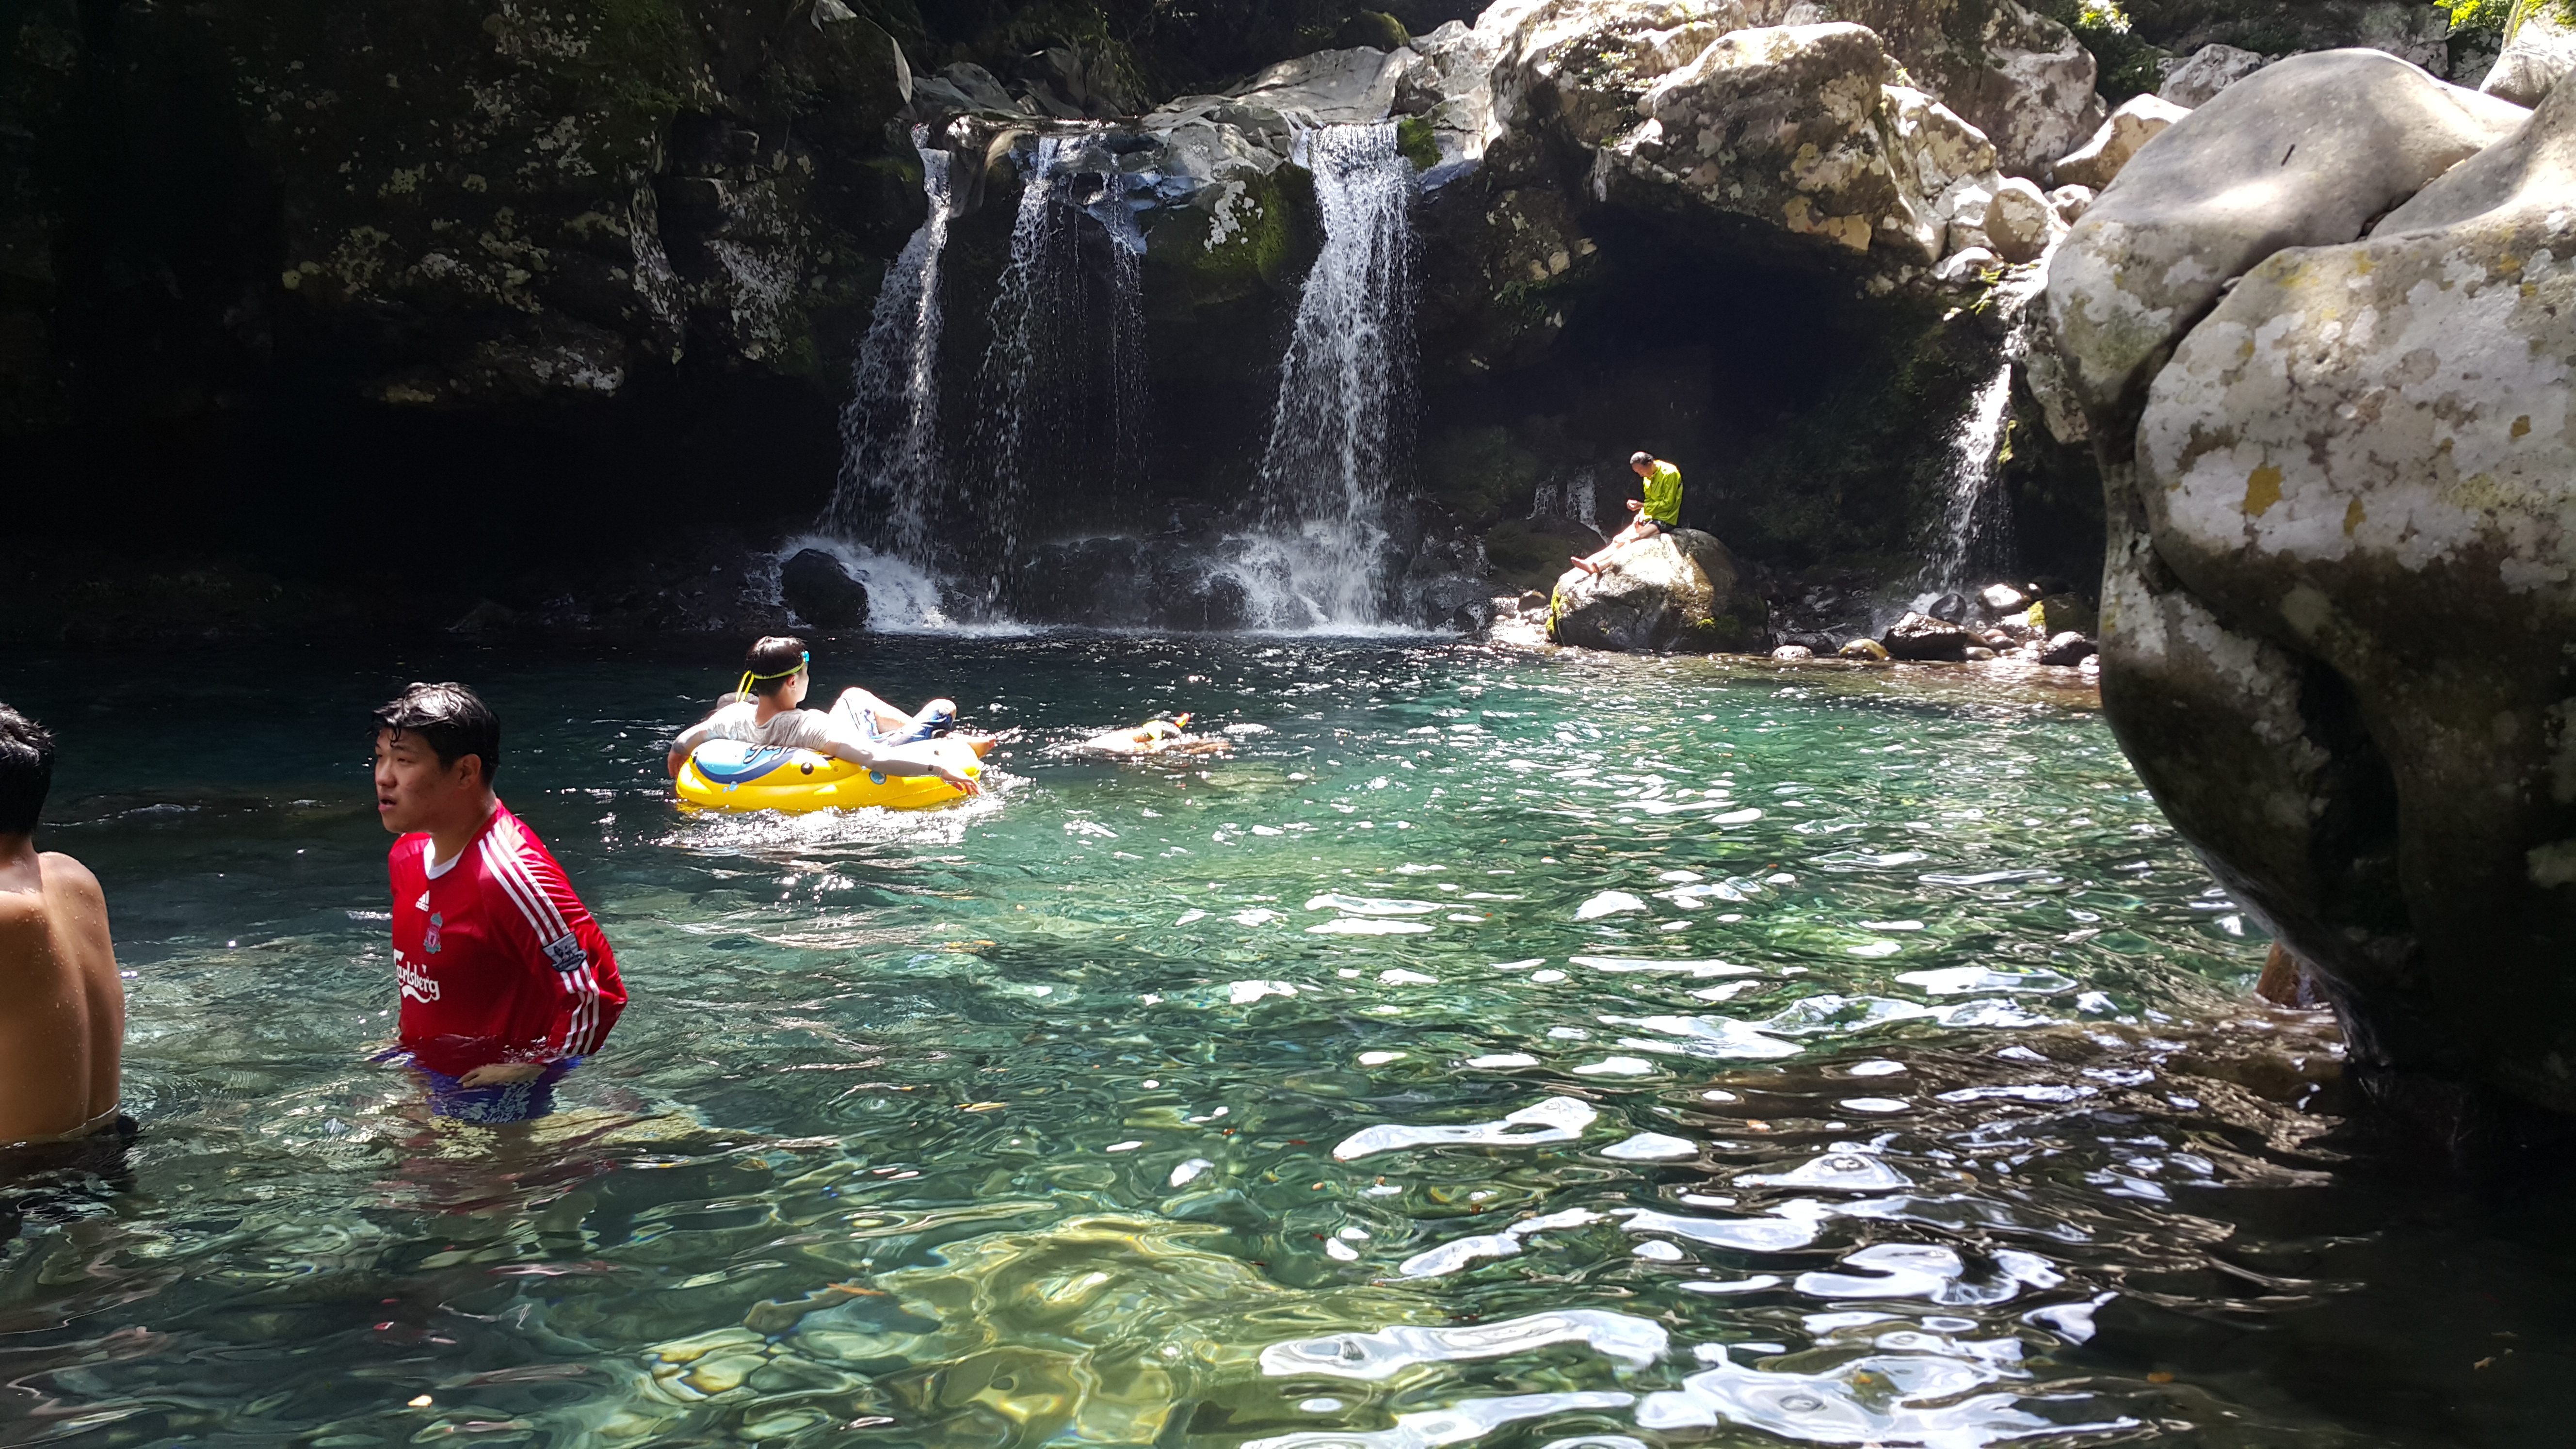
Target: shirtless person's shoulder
62, 1005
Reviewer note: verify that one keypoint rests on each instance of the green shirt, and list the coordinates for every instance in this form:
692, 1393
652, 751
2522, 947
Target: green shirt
1664, 494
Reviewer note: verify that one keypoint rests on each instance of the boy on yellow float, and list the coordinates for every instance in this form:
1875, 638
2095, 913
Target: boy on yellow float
859, 727
1659, 509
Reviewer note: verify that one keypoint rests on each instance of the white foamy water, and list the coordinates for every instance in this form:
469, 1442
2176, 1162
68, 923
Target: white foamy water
903, 597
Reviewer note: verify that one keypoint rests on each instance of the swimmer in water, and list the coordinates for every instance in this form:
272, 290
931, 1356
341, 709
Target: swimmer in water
62, 1005
1154, 737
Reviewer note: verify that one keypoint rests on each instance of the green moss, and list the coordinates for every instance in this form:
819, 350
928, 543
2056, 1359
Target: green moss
1415, 138
1372, 28
1196, 267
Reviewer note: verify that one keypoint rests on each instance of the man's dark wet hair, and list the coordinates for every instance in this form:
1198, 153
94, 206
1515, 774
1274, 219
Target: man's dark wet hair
451, 719
26, 771
773, 661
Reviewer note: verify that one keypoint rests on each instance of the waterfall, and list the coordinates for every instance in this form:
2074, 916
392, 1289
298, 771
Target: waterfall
1976, 516
1341, 432
890, 462
1062, 384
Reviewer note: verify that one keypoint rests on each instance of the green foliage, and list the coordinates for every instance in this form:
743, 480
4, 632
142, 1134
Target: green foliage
2479, 19
1414, 138
2129, 65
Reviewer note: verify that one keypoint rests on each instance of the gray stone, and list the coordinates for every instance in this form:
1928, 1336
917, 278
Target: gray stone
2067, 648
2211, 69
2139, 119
1793, 652
2539, 51
2360, 455
2020, 224
2071, 202
1330, 87
1920, 636
2301, 153
1678, 590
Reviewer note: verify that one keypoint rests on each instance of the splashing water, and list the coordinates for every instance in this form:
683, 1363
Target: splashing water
890, 462
1340, 435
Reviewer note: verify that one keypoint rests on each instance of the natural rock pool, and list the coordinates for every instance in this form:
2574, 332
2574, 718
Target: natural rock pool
1502, 1049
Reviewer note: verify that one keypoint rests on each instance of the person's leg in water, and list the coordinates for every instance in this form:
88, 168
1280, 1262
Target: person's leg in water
1641, 529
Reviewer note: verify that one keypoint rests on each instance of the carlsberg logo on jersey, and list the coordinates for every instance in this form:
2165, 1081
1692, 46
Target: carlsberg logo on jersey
417, 984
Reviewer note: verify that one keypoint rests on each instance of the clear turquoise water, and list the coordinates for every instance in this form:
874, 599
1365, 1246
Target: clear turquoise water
1492, 1050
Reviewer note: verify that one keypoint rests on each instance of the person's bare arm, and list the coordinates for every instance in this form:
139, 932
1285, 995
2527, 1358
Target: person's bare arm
690, 738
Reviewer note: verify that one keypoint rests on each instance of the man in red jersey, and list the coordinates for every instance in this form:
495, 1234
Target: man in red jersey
506, 981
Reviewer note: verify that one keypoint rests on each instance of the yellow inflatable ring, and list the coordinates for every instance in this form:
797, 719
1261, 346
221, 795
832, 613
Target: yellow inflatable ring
731, 775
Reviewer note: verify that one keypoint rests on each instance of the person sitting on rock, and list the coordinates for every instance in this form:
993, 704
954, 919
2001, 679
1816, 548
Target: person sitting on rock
1659, 509
62, 1004
859, 727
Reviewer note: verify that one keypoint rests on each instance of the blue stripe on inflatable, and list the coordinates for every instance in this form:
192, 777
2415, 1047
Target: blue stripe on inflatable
731, 762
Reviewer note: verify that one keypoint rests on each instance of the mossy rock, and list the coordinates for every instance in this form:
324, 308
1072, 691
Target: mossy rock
1374, 29
1251, 240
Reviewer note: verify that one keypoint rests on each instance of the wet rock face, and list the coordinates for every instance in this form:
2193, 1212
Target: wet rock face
2321, 480
1678, 590
821, 591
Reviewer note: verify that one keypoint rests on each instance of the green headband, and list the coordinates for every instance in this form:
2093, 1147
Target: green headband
803, 659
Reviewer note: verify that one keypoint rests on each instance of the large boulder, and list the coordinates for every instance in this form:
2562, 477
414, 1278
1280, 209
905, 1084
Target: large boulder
1830, 123
2300, 153
823, 592
1678, 590
2331, 458
2366, 454
2539, 52
1782, 123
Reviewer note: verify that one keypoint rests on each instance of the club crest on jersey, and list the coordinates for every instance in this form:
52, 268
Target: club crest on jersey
564, 952
429, 937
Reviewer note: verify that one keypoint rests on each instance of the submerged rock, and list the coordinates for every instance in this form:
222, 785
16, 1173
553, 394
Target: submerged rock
1678, 590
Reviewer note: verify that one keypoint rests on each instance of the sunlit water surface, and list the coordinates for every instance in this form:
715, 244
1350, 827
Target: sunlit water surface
1493, 1050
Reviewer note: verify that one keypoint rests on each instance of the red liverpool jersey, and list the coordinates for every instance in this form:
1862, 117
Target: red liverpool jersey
497, 958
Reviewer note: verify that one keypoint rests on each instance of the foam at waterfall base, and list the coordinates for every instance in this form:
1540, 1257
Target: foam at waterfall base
903, 598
